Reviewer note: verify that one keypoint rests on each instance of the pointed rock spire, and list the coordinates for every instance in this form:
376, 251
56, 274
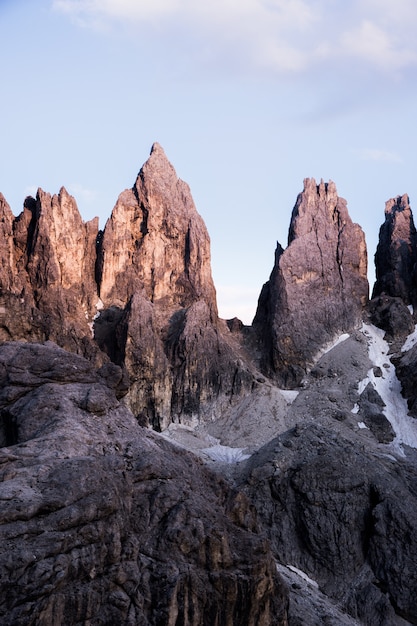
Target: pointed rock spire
396, 254
318, 285
155, 242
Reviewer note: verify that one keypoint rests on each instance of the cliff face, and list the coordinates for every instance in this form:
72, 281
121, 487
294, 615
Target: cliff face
156, 243
140, 293
102, 522
318, 286
160, 312
396, 254
48, 285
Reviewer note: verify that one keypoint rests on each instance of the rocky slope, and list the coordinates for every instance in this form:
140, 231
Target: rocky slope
255, 504
103, 522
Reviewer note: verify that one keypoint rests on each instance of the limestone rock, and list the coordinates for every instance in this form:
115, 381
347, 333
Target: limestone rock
317, 288
406, 370
155, 242
396, 254
160, 312
48, 288
102, 522
342, 517
392, 315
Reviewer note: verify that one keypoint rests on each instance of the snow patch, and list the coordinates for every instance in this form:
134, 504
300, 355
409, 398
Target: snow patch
325, 349
303, 575
411, 309
355, 408
410, 341
362, 425
99, 304
289, 395
225, 454
389, 388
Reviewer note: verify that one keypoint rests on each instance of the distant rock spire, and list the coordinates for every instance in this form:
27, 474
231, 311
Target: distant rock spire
318, 286
396, 254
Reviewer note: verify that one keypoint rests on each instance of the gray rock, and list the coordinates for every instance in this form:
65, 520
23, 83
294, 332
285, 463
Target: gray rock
341, 516
392, 315
318, 285
102, 522
396, 254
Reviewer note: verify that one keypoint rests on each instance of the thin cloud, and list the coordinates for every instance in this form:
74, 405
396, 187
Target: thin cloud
380, 155
285, 36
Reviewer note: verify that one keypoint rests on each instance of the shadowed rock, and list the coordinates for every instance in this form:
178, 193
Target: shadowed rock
342, 517
102, 522
317, 288
396, 254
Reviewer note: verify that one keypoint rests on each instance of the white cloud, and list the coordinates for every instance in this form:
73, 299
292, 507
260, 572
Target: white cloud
379, 155
378, 46
279, 35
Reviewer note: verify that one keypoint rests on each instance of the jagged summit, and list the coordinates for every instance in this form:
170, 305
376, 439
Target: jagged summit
318, 286
396, 254
105, 520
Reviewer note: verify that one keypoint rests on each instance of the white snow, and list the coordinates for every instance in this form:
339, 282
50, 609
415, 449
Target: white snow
99, 304
355, 408
289, 395
389, 388
225, 454
330, 346
362, 425
410, 341
303, 575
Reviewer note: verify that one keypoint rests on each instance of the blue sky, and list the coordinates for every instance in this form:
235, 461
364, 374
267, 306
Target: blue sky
247, 97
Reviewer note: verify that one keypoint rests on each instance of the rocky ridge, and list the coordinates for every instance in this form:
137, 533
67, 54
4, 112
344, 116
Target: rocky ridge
249, 484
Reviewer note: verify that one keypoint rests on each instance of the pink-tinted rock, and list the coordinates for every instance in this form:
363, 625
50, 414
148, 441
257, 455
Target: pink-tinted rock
318, 286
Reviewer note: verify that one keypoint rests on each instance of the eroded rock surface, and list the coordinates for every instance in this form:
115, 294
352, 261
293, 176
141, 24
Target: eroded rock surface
47, 285
340, 515
396, 255
102, 522
317, 288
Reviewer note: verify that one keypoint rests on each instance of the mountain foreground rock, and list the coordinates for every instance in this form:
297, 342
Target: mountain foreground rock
161, 466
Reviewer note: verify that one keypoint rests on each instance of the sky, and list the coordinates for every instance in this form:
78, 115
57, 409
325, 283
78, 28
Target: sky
247, 98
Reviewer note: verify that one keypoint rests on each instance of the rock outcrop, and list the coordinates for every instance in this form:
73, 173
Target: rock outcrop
317, 288
396, 255
160, 313
155, 243
102, 522
157, 313
47, 285
343, 517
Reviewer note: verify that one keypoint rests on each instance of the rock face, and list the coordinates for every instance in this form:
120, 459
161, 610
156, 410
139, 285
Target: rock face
317, 288
340, 516
155, 243
47, 284
396, 255
102, 522
157, 307
160, 313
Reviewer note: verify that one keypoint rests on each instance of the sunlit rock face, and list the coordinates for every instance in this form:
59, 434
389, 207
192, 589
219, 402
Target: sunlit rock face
160, 312
155, 242
318, 286
47, 284
396, 255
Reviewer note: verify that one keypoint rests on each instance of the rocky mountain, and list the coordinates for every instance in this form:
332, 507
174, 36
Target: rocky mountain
161, 466
318, 286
